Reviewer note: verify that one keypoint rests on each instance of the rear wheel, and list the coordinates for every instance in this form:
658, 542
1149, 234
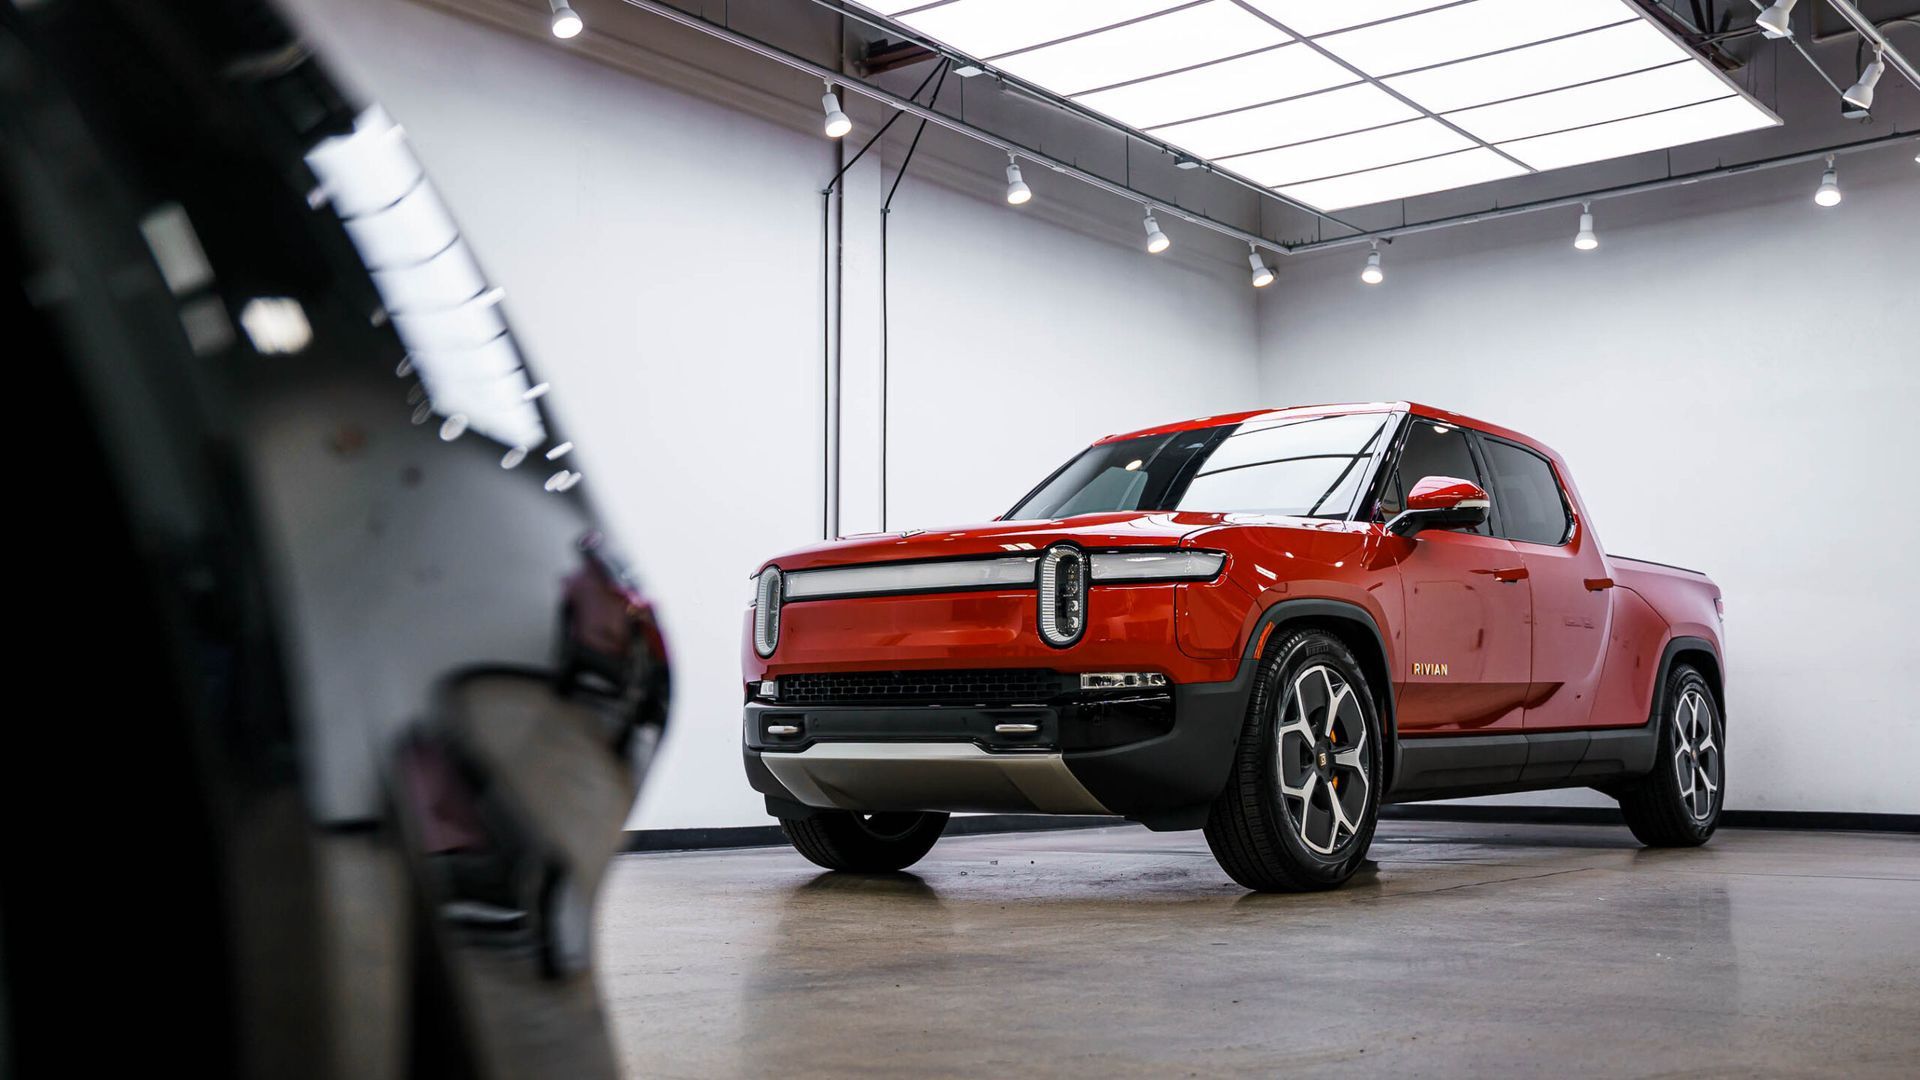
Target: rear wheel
864, 843
1678, 803
1299, 810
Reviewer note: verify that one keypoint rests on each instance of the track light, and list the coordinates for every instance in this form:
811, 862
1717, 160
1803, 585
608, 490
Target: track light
1860, 94
1017, 190
1776, 21
837, 122
1828, 193
1585, 240
1371, 273
565, 23
1157, 241
1262, 273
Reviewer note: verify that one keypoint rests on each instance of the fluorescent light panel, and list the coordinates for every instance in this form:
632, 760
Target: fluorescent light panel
1552, 82
1614, 50
1269, 75
1709, 120
1476, 166
1593, 103
1310, 17
1455, 33
993, 27
1302, 119
1350, 153
1138, 50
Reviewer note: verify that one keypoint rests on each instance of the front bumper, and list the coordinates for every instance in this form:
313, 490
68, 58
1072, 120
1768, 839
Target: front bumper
1159, 758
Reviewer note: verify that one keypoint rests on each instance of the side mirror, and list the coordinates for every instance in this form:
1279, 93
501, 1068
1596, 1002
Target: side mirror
1441, 502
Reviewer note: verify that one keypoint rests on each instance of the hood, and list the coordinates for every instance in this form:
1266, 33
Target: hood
1109, 530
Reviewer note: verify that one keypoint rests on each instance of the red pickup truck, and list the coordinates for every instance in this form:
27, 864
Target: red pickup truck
1262, 625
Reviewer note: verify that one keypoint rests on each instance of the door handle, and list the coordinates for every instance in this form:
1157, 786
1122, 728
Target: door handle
1507, 576
1596, 584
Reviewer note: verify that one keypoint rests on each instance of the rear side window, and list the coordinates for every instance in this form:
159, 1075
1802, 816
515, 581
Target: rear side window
1526, 495
1431, 450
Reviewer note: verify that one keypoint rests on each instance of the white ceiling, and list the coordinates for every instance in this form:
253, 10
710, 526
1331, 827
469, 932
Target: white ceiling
1340, 103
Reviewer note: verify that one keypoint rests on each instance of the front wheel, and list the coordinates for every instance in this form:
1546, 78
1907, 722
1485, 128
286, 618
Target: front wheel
864, 843
1299, 810
1678, 803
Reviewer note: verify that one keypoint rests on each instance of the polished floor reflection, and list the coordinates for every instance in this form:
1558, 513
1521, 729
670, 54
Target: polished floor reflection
1474, 949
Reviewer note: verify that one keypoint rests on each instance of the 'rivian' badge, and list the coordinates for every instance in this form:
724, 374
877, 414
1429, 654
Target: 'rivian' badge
1420, 668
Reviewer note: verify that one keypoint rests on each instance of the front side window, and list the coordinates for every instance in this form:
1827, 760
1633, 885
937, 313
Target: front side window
1312, 466
1431, 450
1526, 495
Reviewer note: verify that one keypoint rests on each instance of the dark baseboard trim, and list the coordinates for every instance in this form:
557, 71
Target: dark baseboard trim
1598, 815
747, 836
750, 836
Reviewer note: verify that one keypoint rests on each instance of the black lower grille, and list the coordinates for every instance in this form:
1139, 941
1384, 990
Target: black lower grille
1016, 686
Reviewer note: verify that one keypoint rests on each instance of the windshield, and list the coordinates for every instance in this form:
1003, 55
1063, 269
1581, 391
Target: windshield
1311, 466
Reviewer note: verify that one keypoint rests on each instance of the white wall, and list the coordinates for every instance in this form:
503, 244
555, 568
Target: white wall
1733, 376
662, 261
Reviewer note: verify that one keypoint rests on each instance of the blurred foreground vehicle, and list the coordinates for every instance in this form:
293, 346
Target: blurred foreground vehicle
344, 695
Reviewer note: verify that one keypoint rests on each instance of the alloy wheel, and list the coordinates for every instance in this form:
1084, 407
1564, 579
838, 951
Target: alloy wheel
1696, 754
1323, 759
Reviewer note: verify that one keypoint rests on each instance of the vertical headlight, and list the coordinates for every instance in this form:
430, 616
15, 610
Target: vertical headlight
766, 611
1063, 595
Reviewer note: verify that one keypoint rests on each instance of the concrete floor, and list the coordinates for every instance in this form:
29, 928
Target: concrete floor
1475, 949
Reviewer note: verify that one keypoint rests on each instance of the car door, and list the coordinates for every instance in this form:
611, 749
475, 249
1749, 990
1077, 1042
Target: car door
1468, 605
1571, 609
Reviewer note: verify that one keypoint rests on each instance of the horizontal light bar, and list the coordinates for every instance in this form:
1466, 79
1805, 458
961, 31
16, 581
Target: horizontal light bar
1157, 566
1013, 572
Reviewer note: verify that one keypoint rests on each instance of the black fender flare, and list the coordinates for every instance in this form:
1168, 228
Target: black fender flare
1296, 609
1716, 678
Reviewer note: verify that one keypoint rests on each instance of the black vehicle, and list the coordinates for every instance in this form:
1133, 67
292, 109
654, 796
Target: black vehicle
312, 797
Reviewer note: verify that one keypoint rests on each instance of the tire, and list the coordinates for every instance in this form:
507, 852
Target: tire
1265, 833
864, 843
1678, 803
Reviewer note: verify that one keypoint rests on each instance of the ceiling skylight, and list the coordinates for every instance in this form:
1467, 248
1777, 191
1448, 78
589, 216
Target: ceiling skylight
1360, 101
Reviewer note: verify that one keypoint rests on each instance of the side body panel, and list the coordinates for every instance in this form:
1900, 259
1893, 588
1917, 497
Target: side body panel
1467, 628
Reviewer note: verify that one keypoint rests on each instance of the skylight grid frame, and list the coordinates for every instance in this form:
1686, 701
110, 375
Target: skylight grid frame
1599, 12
